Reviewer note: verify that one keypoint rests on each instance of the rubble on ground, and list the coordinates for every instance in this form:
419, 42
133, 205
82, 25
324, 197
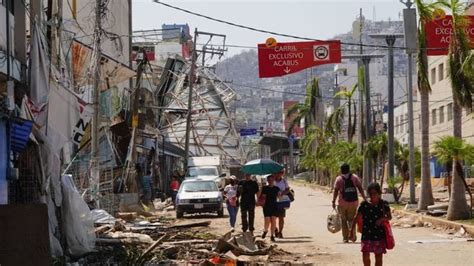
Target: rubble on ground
138, 237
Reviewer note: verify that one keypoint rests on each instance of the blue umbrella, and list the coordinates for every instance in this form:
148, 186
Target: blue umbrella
261, 167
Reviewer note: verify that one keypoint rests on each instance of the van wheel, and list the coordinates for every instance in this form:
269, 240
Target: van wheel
179, 214
220, 213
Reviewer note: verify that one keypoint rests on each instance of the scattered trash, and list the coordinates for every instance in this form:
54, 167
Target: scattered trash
102, 217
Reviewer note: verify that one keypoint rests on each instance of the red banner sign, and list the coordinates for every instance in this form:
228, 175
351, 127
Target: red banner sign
291, 57
438, 34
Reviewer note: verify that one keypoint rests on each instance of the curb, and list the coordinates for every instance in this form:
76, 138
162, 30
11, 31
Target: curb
437, 221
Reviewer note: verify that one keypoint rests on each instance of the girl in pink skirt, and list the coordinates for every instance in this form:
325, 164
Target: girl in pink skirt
373, 213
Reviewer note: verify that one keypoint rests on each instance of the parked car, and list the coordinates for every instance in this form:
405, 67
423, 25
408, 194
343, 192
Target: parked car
199, 196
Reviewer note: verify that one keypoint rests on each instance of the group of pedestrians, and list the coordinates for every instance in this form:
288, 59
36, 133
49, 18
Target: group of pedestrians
248, 194
369, 215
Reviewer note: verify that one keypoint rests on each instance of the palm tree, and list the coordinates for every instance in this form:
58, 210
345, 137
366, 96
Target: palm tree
348, 95
455, 150
305, 111
333, 124
463, 90
402, 161
376, 149
425, 12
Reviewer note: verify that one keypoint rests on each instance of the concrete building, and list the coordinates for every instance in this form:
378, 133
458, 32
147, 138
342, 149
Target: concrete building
441, 104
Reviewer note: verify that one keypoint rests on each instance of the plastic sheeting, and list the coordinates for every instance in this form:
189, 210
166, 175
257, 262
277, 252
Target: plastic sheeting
77, 220
102, 217
3, 162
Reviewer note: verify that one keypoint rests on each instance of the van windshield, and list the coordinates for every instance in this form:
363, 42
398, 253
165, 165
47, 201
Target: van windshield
200, 171
199, 186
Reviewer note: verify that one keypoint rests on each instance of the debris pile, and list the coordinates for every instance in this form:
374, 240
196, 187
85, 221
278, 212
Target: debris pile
154, 237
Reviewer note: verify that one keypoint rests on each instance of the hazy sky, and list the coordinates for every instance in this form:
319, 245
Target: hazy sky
319, 19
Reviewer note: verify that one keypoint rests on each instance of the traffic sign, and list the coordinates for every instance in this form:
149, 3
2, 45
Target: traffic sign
248, 131
439, 33
285, 58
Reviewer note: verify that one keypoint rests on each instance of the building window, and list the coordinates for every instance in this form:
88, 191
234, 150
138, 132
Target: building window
433, 75
441, 72
450, 112
441, 114
433, 117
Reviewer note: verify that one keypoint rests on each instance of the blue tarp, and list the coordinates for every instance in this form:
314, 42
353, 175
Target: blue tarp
20, 131
3, 161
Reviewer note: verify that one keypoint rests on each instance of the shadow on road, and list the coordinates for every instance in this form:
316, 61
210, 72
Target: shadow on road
296, 241
202, 216
298, 237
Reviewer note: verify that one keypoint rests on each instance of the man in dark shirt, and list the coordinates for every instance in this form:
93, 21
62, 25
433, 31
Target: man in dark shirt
247, 192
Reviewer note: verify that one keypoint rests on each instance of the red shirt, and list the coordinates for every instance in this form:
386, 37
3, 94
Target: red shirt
174, 185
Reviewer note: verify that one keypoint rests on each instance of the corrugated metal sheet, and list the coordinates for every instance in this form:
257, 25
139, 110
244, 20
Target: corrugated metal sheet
20, 131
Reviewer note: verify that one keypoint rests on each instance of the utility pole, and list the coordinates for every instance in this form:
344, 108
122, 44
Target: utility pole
390, 40
95, 171
220, 50
368, 120
391, 149
361, 89
190, 99
409, 21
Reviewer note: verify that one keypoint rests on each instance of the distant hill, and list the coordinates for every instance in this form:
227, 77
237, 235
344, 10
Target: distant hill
260, 101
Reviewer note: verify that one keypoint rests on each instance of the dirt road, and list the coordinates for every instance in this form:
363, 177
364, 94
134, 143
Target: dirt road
309, 241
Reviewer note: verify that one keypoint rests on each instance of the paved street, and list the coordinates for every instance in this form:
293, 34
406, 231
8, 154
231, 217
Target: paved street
307, 237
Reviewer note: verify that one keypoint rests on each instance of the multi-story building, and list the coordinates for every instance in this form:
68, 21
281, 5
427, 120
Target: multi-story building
441, 104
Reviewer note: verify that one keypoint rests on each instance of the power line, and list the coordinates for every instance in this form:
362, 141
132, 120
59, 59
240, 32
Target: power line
273, 32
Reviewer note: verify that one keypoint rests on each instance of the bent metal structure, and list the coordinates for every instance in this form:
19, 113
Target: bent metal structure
212, 127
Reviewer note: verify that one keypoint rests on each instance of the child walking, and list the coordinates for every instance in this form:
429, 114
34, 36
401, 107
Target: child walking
373, 214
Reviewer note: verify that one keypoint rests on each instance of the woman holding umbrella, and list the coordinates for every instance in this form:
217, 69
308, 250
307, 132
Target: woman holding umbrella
269, 193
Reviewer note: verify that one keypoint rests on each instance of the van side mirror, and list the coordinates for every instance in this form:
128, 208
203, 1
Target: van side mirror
223, 175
